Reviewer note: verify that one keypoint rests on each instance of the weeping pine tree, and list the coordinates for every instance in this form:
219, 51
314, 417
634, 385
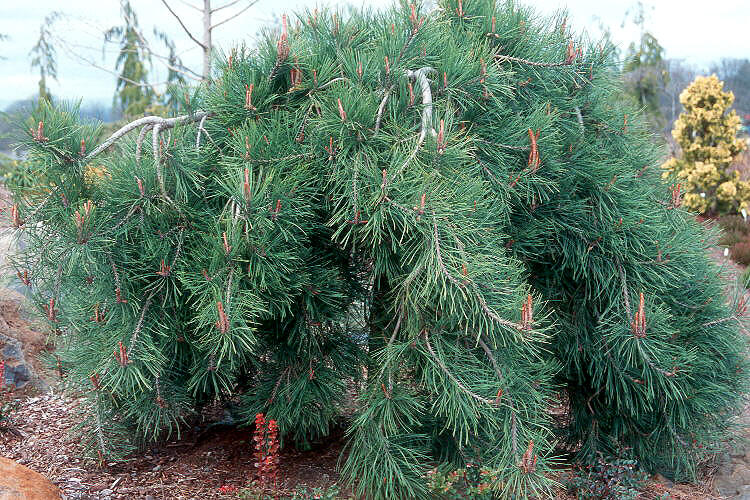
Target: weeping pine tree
452, 214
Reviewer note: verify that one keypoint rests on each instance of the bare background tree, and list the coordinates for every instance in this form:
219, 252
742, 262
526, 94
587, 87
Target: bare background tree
736, 76
207, 11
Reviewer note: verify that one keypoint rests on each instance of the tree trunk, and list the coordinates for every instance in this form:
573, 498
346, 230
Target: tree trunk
206, 39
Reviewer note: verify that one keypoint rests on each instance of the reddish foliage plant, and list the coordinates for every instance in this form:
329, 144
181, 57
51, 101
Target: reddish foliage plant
266, 454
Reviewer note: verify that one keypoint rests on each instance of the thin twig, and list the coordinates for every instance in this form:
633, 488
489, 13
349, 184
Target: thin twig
580, 119
513, 431
200, 44
339, 79
624, 288
157, 156
233, 16
139, 326
501, 58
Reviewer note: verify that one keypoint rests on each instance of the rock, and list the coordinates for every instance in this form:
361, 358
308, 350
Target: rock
733, 480
663, 480
156, 468
106, 492
744, 493
17, 371
149, 497
21, 483
12, 350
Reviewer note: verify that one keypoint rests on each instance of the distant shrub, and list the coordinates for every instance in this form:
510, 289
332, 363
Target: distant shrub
740, 252
734, 223
731, 238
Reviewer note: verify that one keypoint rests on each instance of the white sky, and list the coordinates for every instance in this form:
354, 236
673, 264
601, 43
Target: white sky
697, 31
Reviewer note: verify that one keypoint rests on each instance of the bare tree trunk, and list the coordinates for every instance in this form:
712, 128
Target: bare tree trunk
206, 39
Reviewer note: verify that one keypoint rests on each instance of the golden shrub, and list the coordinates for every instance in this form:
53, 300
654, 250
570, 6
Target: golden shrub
707, 134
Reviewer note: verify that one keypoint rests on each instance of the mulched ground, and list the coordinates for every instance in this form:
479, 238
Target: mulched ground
194, 467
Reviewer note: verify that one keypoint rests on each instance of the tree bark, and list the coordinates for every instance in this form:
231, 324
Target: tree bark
206, 39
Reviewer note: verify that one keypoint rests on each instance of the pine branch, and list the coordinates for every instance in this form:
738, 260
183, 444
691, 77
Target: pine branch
450, 375
163, 123
420, 76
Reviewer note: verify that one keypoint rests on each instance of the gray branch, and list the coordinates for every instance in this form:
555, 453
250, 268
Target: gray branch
420, 76
163, 123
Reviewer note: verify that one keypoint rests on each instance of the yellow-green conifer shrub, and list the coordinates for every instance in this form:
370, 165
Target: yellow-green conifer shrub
707, 134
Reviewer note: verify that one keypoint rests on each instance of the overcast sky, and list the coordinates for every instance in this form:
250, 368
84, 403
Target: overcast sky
697, 31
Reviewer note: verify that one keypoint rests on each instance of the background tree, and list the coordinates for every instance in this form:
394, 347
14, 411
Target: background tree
43, 56
207, 14
681, 75
735, 73
133, 94
463, 192
707, 135
645, 70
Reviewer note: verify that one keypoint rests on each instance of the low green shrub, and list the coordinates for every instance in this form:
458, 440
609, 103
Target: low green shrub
608, 479
470, 482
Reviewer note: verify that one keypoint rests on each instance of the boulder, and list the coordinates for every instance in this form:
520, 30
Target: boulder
21, 483
17, 371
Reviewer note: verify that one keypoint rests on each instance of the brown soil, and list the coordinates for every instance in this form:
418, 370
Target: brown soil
196, 466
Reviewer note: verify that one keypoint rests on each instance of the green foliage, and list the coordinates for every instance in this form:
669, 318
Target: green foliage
608, 479
18, 175
313, 245
746, 277
471, 482
332, 492
133, 94
301, 492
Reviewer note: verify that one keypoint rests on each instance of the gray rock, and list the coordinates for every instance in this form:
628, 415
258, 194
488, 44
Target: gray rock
12, 350
106, 492
17, 374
